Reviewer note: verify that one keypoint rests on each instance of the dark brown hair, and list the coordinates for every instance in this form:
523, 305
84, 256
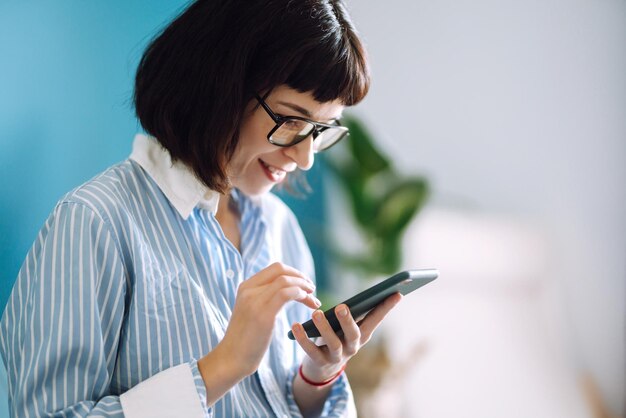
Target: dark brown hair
197, 76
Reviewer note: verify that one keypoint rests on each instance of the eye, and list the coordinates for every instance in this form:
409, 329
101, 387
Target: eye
290, 123
297, 125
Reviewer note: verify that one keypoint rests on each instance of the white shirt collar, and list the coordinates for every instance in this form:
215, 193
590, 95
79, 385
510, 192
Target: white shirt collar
176, 180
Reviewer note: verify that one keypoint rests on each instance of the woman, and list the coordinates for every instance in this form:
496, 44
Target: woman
165, 286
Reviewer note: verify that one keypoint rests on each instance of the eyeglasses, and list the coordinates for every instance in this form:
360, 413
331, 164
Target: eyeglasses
291, 130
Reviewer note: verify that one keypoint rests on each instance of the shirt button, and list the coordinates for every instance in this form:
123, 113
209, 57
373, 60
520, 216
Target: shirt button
230, 274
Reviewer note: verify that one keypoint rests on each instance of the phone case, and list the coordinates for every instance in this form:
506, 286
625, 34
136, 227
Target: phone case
360, 304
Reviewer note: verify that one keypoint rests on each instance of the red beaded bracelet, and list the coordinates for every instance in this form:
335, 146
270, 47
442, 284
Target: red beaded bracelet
325, 382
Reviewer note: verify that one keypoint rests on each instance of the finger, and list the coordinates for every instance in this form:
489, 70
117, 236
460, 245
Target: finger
287, 294
376, 315
351, 331
311, 301
309, 347
271, 290
289, 281
274, 270
334, 345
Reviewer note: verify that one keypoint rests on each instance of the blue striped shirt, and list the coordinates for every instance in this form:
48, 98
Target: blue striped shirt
129, 282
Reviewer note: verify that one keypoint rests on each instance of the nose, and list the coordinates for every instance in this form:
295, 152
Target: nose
302, 153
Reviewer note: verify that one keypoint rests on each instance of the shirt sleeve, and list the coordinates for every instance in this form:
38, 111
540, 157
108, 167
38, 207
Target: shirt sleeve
61, 328
170, 393
339, 403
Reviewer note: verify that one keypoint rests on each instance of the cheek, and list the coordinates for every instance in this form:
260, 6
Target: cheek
253, 141
252, 146
253, 134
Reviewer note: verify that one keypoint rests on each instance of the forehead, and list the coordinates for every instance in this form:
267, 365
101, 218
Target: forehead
304, 104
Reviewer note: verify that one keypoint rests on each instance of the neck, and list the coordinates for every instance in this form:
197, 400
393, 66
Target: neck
223, 205
228, 218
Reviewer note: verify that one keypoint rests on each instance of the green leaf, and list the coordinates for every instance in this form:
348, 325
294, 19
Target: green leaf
369, 159
399, 205
353, 182
382, 202
391, 256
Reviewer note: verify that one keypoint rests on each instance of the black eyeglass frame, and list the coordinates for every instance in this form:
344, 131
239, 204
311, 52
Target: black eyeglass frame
318, 127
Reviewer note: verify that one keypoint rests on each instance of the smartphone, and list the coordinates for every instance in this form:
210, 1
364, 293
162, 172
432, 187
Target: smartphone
360, 304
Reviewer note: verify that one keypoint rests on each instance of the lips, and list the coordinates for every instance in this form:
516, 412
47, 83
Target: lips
275, 174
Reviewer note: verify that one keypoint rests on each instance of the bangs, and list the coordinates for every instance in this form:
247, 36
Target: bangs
315, 48
338, 71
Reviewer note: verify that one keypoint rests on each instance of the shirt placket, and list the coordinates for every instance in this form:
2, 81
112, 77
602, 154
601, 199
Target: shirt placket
255, 255
232, 267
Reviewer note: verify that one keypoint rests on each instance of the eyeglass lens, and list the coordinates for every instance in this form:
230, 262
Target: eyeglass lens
292, 131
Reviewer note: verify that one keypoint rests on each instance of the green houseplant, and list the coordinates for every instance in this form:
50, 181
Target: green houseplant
382, 202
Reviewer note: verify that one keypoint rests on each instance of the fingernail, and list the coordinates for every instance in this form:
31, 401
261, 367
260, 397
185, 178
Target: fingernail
317, 315
343, 312
317, 302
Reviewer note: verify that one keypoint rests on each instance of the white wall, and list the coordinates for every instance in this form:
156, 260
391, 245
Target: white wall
519, 107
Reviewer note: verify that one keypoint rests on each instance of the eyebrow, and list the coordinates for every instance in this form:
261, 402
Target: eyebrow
302, 110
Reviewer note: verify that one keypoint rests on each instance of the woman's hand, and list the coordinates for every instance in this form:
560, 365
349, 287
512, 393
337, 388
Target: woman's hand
324, 361
249, 332
258, 301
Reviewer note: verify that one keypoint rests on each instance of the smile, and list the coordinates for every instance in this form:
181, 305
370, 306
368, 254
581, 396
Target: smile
275, 174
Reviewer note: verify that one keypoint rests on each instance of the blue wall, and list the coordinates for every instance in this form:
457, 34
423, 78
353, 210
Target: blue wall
65, 90
65, 108
66, 71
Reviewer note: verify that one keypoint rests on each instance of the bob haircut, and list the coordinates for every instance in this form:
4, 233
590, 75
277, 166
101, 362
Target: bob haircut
197, 76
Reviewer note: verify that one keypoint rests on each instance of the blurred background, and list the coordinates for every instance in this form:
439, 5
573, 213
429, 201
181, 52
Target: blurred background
513, 111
